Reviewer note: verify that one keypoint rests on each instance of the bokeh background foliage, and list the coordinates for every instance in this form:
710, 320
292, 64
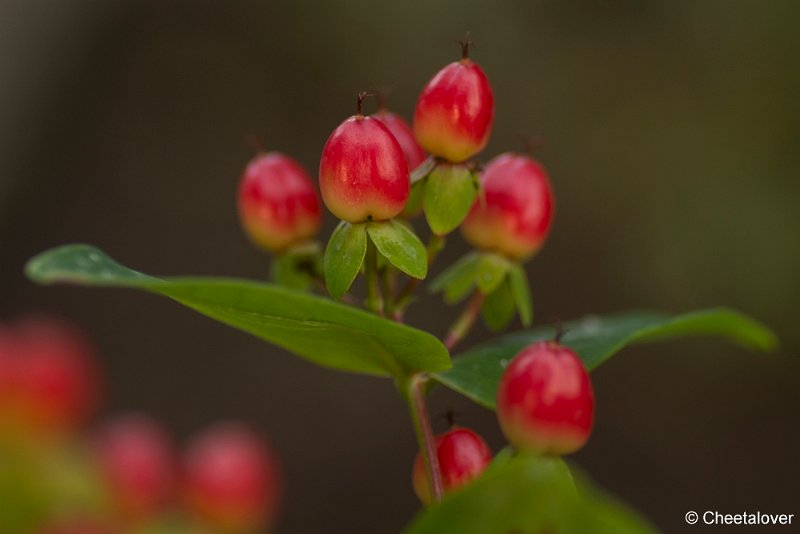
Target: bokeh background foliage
671, 131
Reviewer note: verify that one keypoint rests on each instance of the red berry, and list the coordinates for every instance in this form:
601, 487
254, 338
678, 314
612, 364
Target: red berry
545, 401
455, 111
231, 479
363, 173
401, 131
462, 454
8, 372
138, 463
515, 214
278, 206
48, 377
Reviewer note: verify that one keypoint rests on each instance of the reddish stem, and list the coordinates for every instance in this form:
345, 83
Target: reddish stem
464, 323
424, 431
360, 103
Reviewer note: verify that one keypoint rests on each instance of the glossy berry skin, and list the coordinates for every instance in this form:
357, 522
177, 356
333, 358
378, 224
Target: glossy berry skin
545, 401
515, 215
363, 174
455, 112
137, 462
231, 479
278, 205
49, 381
463, 455
402, 132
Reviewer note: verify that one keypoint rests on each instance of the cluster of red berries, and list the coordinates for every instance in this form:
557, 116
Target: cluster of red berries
375, 168
545, 405
125, 477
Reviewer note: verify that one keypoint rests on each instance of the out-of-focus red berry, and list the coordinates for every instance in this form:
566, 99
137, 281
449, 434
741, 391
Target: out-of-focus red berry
231, 479
278, 205
138, 463
455, 111
462, 454
545, 401
515, 213
48, 376
363, 174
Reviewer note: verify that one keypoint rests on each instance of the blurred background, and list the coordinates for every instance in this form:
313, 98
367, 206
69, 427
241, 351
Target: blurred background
671, 133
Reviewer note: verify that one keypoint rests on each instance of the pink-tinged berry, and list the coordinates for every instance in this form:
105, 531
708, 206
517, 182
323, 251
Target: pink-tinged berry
545, 401
363, 174
401, 131
462, 454
231, 479
278, 205
8, 373
516, 211
455, 111
48, 376
138, 463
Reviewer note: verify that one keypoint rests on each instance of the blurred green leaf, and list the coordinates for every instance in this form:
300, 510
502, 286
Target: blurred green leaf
499, 307
458, 279
449, 193
526, 494
477, 372
327, 333
522, 293
401, 246
491, 271
344, 256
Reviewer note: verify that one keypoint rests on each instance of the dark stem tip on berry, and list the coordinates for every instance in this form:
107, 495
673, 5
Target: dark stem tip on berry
450, 416
476, 166
560, 331
360, 102
465, 44
256, 142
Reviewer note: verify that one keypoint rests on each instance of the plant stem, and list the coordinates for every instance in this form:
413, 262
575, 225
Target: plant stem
422, 428
435, 245
461, 327
387, 287
374, 300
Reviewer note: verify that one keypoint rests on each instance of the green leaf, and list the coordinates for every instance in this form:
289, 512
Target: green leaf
457, 280
526, 494
522, 293
477, 372
498, 308
325, 332
491, 271
449, 193
401, 246
423, 170
344, 256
